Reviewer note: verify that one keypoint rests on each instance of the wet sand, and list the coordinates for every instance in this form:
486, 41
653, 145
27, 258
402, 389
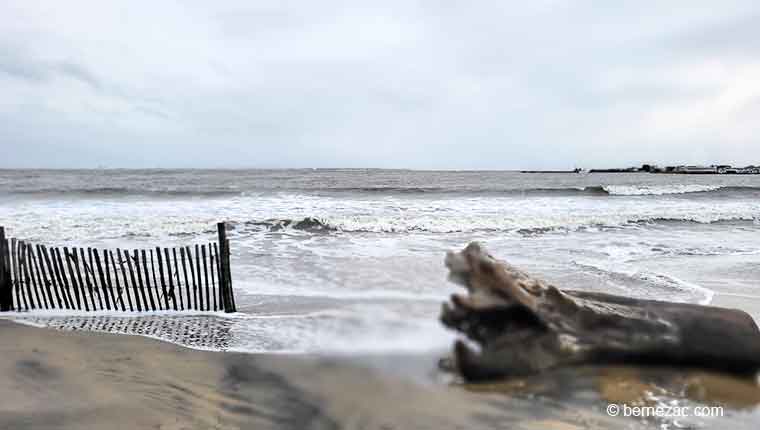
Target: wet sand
76, 380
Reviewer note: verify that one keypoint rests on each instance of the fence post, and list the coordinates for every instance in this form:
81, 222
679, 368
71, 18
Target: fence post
225, 281
6, 293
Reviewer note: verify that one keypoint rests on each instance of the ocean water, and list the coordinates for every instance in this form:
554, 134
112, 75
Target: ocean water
351, 261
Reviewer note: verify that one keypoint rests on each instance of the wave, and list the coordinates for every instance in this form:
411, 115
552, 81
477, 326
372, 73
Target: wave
647, 284
468, 224
310, 224
659, 190
126, 191
595, 190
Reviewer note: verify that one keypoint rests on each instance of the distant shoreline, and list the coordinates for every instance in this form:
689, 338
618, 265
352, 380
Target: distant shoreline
675, 170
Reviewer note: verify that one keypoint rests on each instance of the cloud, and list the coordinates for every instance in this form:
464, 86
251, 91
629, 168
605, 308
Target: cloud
400, 84
39, 71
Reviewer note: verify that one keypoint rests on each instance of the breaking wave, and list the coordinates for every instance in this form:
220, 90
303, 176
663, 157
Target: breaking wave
659, 190
527, 227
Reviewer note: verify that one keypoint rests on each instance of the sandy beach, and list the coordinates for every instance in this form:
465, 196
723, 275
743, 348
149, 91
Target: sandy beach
79, 380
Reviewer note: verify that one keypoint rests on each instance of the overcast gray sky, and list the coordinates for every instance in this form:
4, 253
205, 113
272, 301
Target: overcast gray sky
431, 84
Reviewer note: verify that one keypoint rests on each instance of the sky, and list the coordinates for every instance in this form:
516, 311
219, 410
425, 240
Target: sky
393, 84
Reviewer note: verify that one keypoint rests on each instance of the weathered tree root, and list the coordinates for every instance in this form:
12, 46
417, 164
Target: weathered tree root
524, 325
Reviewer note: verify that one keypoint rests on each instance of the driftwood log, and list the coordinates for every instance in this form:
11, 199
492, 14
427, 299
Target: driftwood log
523, 325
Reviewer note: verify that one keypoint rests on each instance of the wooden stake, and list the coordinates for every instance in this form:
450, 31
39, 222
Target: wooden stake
226, 278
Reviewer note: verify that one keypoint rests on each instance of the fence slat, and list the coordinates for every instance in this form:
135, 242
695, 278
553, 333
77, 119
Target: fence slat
192, 274
59, 279
25, 297
6, 283
72, 275
107, 269
212, 269
220, 279
36, 278
46, 282
82, 286
199, 290
140, 280
91, 271
53, 274
228, 276
119, 291
27, 279
179, 281
184, 272
69, 285
103, 290
205, 275
79, 262
134, 283
16, 277
64, 280
42, 274
23, 287
171, 282
126, 279
164, 293
155, 300
14, 302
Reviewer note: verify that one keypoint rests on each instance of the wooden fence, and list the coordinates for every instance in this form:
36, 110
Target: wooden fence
184, 278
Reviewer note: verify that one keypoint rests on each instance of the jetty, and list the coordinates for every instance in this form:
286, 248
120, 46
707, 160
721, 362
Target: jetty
185, 278
714, 169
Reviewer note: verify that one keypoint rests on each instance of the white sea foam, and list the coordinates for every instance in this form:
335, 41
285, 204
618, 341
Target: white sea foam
658, 190
647, 284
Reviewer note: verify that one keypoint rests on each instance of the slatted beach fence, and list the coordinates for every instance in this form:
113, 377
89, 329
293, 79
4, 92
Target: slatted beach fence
34, 276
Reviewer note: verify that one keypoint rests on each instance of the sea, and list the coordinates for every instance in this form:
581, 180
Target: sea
350, 261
